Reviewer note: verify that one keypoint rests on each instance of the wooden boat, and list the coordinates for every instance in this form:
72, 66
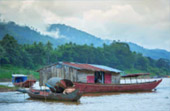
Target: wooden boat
48, 95
89, 88
132, 87
19, 80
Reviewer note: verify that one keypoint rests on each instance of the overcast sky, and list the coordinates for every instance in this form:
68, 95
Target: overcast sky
145, 22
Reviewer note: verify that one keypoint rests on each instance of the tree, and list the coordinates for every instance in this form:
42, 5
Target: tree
141, 62
3, 58
160, 63
48, 49
12, 48
116, 55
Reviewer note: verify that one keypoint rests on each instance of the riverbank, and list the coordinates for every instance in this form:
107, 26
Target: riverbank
6, 72
5, 80
6, 88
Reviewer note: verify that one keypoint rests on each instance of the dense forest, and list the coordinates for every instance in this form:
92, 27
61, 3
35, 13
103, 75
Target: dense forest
116, 55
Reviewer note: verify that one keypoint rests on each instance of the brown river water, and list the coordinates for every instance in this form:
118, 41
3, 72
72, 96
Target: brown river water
158, 100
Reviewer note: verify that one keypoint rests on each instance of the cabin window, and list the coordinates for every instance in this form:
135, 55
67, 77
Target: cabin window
99, 77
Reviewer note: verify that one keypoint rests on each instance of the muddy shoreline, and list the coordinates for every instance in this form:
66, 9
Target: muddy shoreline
4, 88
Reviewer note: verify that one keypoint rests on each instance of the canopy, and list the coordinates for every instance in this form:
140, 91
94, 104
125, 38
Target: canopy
19, 75
56, 81
135, 75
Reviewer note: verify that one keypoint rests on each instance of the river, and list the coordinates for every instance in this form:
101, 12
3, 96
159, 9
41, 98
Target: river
158, 100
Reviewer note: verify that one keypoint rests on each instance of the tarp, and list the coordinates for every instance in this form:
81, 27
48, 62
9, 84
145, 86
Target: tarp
58, 85
53, 81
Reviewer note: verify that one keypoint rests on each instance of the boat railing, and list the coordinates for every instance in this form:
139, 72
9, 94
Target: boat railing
134, 78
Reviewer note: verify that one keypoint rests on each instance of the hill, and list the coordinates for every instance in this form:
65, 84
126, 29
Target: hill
153, 53
27, 35
74, 35
71, 34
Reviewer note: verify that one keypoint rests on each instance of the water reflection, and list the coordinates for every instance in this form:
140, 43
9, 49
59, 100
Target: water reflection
53, 101
115, 93
13, 97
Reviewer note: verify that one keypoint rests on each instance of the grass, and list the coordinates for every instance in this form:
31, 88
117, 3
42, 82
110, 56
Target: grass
2, 86
7, 71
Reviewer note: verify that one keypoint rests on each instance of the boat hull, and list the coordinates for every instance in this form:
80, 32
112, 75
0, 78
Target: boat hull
37, 94
95, 88
26, 84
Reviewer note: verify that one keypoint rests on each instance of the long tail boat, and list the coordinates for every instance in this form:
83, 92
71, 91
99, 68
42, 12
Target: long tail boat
20, 80
48, 95
129, 87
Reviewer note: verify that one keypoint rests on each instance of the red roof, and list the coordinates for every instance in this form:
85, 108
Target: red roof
92, 67
135, 75
84, 66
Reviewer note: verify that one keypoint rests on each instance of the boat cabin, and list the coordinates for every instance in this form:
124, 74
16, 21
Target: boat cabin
78, 72
17, 78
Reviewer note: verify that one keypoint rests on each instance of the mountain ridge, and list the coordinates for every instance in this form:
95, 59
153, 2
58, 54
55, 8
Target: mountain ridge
27, 35
24, 34
153, 53
77, 36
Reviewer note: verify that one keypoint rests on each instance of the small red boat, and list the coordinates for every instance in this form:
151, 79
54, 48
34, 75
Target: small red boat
22, 81
130, 87
26, 84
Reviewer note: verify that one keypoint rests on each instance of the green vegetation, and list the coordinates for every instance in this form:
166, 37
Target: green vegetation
28, 58
6, 71
116, 55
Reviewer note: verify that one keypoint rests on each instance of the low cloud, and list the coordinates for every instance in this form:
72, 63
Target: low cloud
145, 22
54, 33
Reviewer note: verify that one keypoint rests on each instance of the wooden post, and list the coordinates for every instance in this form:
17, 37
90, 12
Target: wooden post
144, 79
102, 77
136, 80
